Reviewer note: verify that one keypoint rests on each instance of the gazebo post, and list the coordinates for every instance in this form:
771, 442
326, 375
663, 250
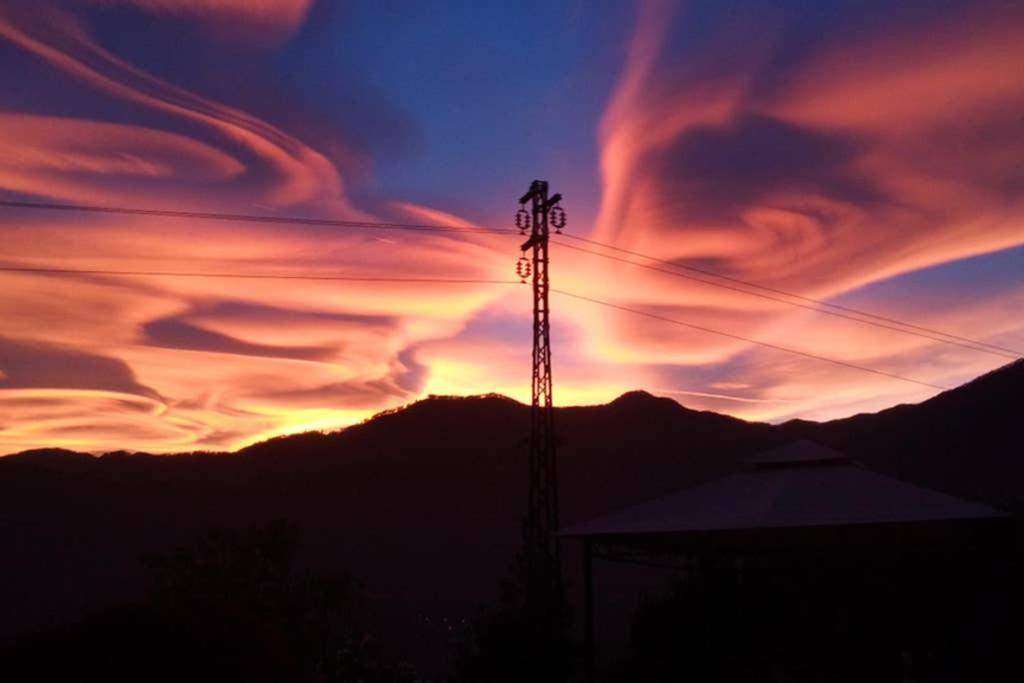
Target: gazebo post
588, 610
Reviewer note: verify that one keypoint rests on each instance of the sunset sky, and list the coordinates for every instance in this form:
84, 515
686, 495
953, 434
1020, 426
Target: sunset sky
867, 154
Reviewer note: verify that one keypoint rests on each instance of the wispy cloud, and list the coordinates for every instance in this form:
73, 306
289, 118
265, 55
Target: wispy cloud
879, 152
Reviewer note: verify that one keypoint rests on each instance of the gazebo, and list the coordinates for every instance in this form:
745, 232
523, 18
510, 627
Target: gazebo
802, 497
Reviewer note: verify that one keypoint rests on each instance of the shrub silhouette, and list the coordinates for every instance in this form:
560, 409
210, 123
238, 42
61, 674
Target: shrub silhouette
230, 607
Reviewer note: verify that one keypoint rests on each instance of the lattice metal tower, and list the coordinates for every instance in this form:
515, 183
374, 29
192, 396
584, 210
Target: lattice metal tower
542, 513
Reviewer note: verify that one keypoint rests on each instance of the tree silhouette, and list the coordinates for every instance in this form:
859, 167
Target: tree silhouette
229, 607
522, 637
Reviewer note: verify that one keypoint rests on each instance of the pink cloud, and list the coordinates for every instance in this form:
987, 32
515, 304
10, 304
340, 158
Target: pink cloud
297, 173
811, 178
100, 162
274, 19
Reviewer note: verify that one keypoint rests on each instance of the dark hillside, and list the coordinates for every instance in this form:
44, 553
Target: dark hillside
966, 441
425, 502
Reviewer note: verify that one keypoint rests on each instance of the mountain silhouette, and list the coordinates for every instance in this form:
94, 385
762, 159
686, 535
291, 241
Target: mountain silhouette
425, 502
965, 441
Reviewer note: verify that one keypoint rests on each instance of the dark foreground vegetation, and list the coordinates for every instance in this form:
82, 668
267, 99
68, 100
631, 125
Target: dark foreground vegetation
927, 619
231, 607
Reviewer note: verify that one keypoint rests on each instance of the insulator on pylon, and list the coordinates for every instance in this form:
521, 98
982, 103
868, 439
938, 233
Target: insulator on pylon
523, 221
558, 218
523, 268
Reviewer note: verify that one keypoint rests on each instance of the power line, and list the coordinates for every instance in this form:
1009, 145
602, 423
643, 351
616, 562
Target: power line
414, 280
255, 276
252, 218
816, 305
750, 340
966, 344
818, 302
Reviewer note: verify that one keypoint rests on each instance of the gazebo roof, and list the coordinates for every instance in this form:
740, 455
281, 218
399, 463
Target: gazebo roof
800, 485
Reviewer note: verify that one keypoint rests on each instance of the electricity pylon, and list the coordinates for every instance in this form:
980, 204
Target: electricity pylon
541, 526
